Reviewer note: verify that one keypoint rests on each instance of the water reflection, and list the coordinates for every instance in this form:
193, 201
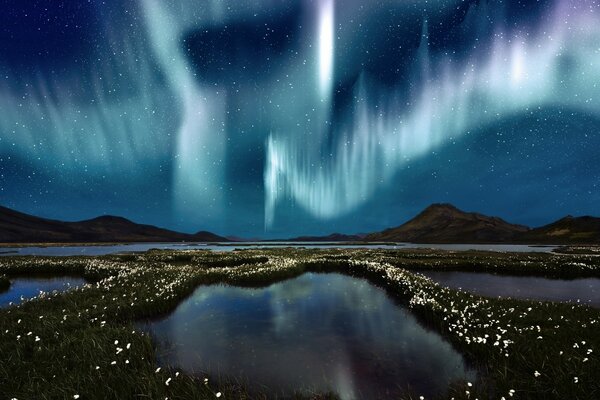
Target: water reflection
586, 290
317, 332
26, 288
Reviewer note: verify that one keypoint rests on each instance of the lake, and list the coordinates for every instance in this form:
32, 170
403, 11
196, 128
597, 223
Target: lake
317, 332
97, 250
586, 291
29, 287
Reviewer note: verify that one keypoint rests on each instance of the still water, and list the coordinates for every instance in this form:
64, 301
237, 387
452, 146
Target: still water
95, 250
586, 291
317, 332
26, 288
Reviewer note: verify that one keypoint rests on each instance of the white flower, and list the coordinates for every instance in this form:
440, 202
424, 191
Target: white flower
536, 374
218, 394
167, 381
75, 396
157, 370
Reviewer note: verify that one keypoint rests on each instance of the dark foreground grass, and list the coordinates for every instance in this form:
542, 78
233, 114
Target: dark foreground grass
4, 283
83, 342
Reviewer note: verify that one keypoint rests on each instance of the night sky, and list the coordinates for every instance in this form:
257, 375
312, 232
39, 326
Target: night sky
276, 118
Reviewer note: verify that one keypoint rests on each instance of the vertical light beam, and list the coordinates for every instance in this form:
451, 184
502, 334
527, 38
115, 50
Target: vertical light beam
326, 47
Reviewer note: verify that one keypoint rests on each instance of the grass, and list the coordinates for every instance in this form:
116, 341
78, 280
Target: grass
83, 342
4, 283
548, 265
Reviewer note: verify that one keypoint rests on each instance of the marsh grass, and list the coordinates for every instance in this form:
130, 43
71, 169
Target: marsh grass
4, 283
548, 265
83, 342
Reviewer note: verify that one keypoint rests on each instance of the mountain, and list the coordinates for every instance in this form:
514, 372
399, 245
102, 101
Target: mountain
444, 223
580, 230
18, 227
334, 237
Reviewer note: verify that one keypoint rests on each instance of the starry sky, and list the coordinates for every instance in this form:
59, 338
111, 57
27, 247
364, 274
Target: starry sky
277, 118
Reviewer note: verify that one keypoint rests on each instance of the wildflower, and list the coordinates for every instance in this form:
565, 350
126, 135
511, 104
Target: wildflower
536, 374
168, 381
75, 396
157, 370
218, 394
575, 380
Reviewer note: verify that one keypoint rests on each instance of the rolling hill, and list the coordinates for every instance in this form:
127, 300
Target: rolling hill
17, 227
580, 230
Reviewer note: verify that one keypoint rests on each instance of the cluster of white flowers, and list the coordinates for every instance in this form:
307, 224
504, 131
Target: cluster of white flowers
159, 277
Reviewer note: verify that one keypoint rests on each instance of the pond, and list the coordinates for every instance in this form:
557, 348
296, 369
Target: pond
315, 333
28, 287
585, 291
99, 250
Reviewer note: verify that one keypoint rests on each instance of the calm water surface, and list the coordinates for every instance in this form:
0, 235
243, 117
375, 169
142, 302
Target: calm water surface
96, 250
30, 287
317, 332
585, 291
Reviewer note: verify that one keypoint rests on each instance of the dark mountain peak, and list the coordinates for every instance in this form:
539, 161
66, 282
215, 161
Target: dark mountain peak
440, 209
445, 223
109, 219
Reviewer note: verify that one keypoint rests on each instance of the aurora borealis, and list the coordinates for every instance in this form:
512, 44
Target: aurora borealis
275, 118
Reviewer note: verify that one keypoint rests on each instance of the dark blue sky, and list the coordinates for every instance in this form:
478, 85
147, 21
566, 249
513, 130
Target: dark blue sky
278, 118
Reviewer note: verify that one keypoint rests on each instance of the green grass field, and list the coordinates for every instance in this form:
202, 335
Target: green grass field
83, 342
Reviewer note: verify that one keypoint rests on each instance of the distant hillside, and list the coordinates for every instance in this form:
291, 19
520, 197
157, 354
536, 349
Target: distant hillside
334, 237
18, 227
580, 230
444, 223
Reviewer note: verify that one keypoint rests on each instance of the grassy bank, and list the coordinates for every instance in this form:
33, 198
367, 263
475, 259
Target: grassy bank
83, 342
549, 265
